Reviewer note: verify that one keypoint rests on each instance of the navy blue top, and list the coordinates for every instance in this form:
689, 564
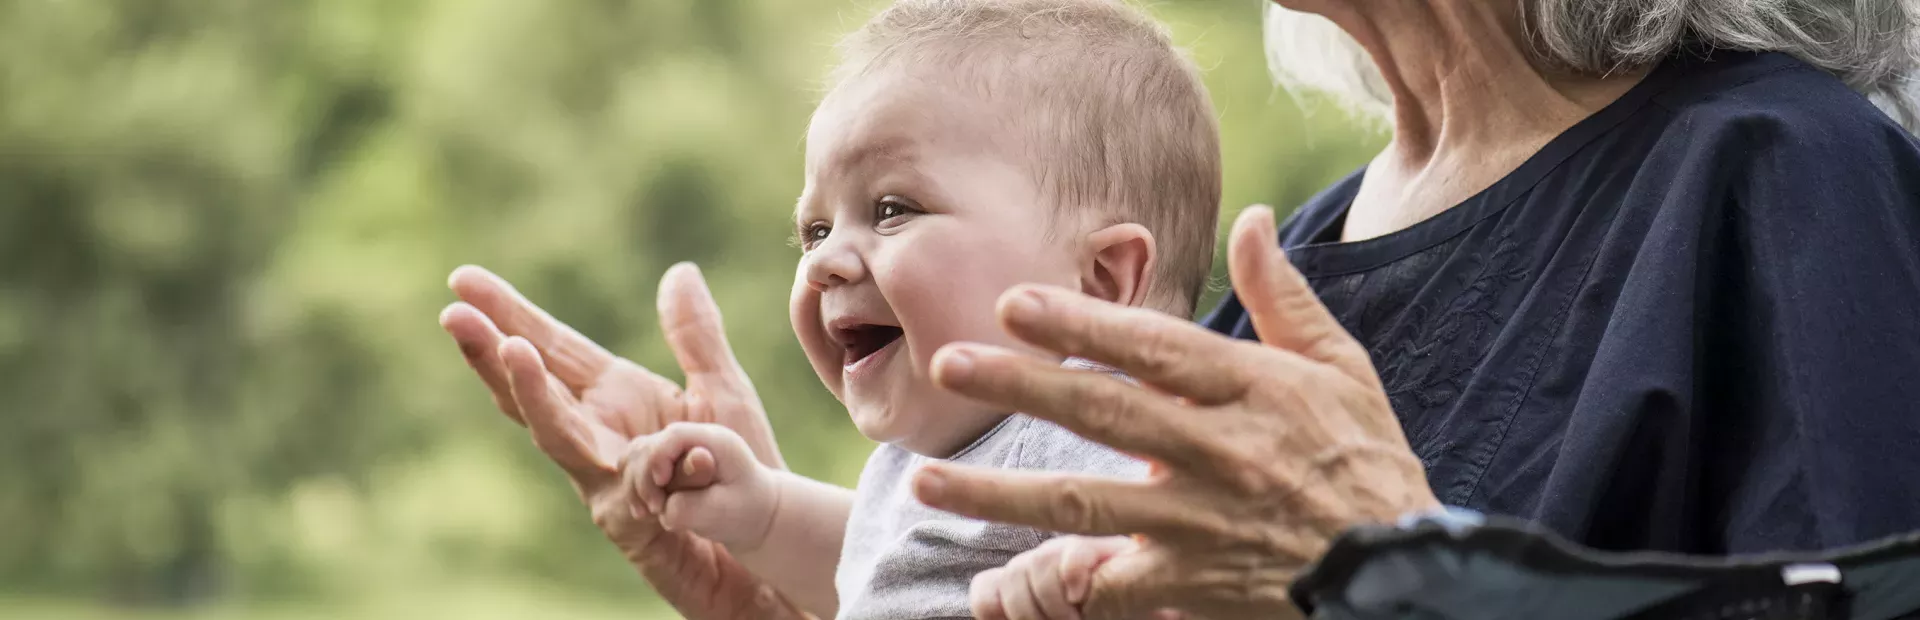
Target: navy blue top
1690, 323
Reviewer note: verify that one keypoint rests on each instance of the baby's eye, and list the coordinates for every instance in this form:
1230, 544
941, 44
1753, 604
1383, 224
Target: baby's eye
813, 234
889, 208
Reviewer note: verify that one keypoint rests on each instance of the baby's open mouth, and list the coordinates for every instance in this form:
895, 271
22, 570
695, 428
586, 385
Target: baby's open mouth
862, 341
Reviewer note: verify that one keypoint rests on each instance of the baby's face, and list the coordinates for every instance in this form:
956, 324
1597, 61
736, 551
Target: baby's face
917, 214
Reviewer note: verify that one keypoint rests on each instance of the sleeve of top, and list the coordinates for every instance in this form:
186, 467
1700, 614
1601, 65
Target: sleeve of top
1809, 364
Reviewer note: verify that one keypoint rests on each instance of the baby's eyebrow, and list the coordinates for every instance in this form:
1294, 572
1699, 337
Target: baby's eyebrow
897, 149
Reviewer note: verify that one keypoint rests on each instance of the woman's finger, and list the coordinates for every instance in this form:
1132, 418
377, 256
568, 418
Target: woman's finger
1065, 503
1134, 585
771, 604
1082, 556
716, 384
1285, 311
1177, 356
1093, 405
479, 343
637, 465
557, 430
571, 357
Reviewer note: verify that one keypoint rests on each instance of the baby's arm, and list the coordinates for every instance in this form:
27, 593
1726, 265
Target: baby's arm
783, 527
1048, 582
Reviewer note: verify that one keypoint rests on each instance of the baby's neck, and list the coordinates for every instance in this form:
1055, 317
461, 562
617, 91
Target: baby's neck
990, 424
952, 446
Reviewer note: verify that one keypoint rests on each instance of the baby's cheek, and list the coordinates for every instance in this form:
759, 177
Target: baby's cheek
944, 284
947, 293
804, 312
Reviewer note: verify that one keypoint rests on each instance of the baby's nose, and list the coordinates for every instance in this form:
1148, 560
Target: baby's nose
833, 264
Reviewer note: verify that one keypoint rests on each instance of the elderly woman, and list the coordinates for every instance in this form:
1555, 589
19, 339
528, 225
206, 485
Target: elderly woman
1645, 273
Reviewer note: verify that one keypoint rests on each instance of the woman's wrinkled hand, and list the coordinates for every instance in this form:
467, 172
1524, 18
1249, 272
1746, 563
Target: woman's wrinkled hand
583, 405
1263, 452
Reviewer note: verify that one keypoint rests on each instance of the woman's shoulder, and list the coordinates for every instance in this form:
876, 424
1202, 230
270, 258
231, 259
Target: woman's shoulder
1772, 101
1771, 137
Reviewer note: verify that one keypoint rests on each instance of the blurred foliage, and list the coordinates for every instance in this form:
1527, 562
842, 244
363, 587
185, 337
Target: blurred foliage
224, 230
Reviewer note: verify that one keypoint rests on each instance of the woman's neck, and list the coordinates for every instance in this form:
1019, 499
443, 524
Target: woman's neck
1469, 103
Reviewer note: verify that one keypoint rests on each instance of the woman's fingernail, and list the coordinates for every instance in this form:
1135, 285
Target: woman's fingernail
633, 508
956, 364
1025, 302
516, 342
930, 485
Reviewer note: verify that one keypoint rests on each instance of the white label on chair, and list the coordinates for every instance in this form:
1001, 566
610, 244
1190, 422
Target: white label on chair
1796, 574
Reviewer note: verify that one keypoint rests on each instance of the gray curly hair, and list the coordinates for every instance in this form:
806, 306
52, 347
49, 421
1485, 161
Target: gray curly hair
1872, 45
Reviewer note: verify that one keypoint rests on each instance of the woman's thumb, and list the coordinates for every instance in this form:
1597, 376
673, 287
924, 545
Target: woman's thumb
692, 324
1285, 311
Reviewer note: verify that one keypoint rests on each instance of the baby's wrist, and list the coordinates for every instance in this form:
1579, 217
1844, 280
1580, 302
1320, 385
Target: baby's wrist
766, 492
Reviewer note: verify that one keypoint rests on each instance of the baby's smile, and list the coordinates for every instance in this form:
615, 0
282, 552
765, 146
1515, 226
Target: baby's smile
866, 345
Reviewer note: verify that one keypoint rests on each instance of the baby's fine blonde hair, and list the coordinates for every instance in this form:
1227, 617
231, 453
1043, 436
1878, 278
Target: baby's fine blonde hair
1118, 126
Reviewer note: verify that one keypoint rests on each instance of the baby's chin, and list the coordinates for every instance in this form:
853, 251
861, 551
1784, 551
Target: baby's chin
899, 425
878, 422
936, 432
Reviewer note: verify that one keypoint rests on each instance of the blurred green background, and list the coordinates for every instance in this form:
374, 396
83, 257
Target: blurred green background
225, 227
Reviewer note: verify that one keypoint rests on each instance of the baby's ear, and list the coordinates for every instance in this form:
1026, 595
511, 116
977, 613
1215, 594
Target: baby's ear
1119, 264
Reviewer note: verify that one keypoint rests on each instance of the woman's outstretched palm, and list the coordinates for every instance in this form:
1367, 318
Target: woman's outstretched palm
583, 405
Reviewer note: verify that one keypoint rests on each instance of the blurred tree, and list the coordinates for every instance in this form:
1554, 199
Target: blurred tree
151, 156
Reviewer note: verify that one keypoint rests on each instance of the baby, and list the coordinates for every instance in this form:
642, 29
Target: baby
965, 147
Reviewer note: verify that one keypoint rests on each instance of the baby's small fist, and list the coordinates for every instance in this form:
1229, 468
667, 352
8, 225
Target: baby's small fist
700, 478
1048, 582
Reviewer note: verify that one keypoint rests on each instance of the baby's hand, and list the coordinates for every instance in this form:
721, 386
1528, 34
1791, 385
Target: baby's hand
735, 509
1047, 582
